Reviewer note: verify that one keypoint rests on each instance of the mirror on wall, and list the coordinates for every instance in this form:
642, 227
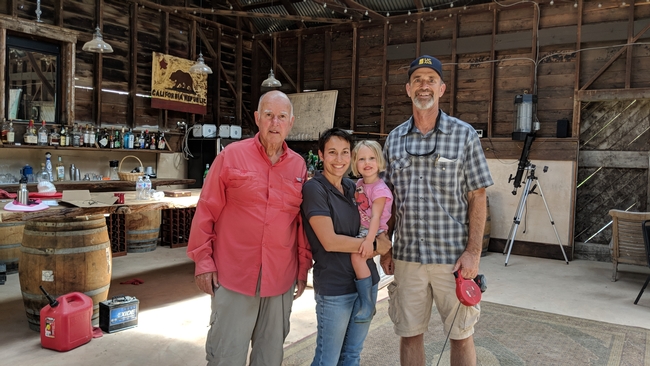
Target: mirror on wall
32, 80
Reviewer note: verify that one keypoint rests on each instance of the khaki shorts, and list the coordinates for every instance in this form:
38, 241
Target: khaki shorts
411, 295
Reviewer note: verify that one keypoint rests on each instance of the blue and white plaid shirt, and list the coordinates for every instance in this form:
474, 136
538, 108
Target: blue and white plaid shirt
430, 191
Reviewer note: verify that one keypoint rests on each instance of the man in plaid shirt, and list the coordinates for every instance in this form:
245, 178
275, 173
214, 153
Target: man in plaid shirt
438, 173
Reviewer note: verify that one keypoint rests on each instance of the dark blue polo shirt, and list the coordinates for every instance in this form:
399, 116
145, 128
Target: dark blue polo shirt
333, 272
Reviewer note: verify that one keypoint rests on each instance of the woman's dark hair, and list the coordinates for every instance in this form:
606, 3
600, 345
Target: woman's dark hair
328, 134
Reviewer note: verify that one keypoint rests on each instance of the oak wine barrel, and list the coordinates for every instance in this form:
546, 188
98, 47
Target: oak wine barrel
11, 235
63, 256
142, 231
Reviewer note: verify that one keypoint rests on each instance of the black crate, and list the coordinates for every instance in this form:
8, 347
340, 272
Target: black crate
116, 226
175, 226
118, 313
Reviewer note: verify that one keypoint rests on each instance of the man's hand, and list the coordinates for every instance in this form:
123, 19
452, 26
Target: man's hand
206, 282
383, 244
386, 261
300, 288
468, 264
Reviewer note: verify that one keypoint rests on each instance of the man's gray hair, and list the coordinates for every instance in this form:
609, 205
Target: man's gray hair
259, 104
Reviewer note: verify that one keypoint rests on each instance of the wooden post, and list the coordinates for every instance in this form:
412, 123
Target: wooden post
451, 85
299, 65
98, 69
355, 76
327, 61
3, 65
133, 60
216, 100
384, 81
239, 75
490, 120
164, 44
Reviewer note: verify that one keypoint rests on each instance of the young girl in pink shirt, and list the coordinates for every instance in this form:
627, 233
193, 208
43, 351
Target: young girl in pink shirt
374, 202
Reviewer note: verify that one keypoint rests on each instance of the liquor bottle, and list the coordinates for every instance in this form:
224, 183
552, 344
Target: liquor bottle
131, 139
11, 135
125, 139
152, 143
42, 134
207, 169
76, 136
162, 143
117, 140
146, 139
141, 140
42, 175
60, 170
92, 137
48, 166
111, 139
55, 138
102, 138
5, 130
86, 136
63, 136
30, 137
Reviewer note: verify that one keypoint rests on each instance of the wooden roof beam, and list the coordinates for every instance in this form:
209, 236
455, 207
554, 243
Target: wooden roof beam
356, 14
244, 14
292, 11
419, 5
356, 6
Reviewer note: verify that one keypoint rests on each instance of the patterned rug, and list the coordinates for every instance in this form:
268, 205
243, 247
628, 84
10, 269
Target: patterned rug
507, 336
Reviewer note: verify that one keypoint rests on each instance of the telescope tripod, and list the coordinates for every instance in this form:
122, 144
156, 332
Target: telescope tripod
520, 210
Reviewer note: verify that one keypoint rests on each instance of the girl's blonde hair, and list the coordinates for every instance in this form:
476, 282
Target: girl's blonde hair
375, 148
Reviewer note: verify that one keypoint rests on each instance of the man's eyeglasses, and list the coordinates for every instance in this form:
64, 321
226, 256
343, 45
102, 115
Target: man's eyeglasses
408, 143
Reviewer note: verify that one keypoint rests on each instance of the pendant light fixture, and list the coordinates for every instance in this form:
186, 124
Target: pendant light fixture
200, 67
97, 44
271, 81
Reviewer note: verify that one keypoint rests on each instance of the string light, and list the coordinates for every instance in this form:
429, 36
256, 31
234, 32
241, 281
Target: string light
345, 10
451, 5
366, 14
600, 5
430, 9
324, 5
552, 2
575, 5
230, 5
409, 13
387, 14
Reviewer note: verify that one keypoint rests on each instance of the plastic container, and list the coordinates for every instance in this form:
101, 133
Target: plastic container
68, 324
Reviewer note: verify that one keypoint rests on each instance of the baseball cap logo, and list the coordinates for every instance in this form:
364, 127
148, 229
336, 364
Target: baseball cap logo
425, 61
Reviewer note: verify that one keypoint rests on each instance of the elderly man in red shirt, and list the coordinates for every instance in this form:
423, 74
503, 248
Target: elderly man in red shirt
248, 242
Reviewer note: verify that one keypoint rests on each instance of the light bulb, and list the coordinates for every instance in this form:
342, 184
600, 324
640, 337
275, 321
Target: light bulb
451, 5
345, 10
575, 5
387, 14
430, 9
409, 13
552, 2
366, 14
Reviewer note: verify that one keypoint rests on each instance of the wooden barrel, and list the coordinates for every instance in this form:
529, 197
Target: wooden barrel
11, 235
63, 256
487, 230
142, 231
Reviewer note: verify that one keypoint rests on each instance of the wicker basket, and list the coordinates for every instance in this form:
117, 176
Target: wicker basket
133, 177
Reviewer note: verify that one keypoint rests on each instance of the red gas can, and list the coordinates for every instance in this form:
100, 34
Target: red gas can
66, 323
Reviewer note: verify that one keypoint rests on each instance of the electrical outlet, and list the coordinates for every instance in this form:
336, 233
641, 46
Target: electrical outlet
479, 132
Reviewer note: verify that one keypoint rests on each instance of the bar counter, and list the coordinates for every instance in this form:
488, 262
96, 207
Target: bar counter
130, 205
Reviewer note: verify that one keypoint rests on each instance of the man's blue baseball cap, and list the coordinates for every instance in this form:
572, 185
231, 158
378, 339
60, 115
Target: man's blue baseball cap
426, 61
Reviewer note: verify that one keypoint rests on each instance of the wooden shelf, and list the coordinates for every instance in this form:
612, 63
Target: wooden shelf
146, 151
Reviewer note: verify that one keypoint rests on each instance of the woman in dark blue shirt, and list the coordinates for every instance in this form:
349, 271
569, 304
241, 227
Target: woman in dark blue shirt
332, 222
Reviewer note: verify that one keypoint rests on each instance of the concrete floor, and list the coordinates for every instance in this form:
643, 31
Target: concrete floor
173, 317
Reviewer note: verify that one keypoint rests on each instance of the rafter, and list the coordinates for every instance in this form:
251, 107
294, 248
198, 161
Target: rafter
356, 6
418, 5
291, 10
244, 14
343, 10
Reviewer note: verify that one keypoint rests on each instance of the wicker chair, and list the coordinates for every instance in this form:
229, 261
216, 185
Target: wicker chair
646, 238
627, 238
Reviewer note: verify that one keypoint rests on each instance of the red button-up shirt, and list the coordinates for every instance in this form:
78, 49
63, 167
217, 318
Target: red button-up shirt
247, 221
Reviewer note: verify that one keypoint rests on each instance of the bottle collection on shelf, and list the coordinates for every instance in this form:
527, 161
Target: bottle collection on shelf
77, 136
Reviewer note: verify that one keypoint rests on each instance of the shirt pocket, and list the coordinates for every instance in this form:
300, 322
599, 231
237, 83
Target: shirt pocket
292, 197
401, 171
240, 186
445, 172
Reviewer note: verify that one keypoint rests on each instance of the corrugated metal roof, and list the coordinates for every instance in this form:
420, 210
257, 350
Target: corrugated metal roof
311, 8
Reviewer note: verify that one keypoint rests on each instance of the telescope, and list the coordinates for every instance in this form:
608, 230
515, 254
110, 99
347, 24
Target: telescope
523, 162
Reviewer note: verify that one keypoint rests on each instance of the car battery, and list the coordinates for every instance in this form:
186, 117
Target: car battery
118, 313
